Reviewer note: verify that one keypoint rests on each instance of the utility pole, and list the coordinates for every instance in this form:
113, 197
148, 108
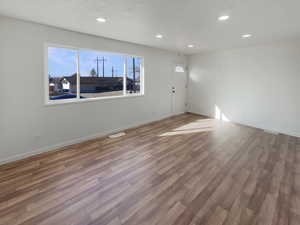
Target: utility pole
97, 60
114, 72
100, 60
103, 60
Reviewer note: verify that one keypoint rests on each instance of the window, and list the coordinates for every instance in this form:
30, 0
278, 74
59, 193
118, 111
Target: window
76, 75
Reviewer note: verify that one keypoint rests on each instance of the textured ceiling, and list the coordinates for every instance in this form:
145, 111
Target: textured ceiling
181, 22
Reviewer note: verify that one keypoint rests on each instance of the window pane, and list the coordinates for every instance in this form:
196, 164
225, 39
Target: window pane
101, 74
62, 73
133, 75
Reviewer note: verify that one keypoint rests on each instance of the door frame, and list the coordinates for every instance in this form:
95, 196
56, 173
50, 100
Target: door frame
173, 95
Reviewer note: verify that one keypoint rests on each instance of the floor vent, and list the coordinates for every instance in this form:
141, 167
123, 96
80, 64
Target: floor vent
117, 135
271, 132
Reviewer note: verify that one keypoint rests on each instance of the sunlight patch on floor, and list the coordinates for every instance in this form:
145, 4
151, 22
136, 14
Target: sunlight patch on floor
219, 115
202, 125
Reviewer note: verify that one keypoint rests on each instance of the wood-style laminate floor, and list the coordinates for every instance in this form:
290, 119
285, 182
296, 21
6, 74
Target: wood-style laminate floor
185, 170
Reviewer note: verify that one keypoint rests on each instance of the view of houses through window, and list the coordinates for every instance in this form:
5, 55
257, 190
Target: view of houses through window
100, 74
62, 66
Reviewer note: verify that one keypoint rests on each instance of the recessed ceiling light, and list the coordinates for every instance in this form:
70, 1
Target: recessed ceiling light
101, 20
246, 35
159, 36
191, 46
223, 18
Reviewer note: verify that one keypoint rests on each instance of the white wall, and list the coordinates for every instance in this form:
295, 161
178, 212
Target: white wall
28, 126
257, 86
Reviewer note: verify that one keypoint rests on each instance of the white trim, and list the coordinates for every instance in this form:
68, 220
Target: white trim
125, 76
78, 140
46, 75
78, 99
75, 100
48, 44
142, 77
78, 77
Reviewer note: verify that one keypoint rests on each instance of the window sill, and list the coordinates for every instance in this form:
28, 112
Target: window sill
76, 100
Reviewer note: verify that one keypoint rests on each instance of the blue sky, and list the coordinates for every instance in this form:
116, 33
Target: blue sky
62, 62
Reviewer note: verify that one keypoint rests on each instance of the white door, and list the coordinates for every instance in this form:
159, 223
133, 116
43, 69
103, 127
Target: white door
179, 89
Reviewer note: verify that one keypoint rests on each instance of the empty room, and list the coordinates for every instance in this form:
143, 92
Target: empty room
149, 112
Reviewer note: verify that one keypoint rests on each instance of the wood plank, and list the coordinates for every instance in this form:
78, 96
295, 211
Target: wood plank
184, 170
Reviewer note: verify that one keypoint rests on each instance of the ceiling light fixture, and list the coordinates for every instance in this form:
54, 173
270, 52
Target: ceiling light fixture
223, 18
159, 36
246, 35
191, 46
101, 20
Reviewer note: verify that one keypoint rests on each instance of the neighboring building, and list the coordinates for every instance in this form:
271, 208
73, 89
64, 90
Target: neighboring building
61, 85
98, 84
55, 86
65, 85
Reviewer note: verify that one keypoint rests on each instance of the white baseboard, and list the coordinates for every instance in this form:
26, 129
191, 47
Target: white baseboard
76, 141
254, 126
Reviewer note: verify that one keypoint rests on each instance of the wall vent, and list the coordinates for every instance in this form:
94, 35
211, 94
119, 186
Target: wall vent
117, 135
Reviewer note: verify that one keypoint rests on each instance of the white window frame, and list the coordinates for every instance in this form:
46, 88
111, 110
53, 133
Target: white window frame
78, 99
